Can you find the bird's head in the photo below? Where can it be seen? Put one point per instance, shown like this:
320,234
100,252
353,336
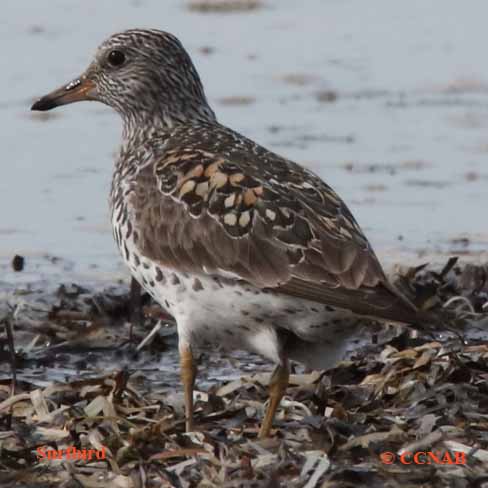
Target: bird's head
141,73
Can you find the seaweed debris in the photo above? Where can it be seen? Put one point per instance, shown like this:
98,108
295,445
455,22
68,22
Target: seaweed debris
223,6
359,424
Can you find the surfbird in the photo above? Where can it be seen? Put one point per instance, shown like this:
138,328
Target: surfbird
243,247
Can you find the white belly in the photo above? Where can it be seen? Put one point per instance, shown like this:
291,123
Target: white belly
222,313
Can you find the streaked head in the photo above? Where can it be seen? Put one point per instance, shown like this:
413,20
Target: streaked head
141,73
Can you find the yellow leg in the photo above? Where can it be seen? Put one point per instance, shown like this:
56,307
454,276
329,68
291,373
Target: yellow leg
277,388
188,374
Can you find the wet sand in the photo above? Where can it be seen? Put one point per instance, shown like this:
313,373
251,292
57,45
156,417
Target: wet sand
388,104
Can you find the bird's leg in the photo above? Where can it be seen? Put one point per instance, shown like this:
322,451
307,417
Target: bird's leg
277,387
135,304
188,374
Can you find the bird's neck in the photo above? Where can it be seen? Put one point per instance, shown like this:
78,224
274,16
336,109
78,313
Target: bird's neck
142,125
142,132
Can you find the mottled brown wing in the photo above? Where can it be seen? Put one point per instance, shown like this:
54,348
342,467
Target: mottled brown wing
271,223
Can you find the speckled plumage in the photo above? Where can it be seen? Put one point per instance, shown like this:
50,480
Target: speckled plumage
171,217
245,248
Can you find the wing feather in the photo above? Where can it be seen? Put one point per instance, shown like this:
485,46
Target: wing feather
265,219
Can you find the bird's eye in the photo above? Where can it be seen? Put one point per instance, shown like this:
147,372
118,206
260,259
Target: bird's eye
116,58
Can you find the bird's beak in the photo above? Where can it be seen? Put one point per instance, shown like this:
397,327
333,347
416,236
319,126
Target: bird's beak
80,89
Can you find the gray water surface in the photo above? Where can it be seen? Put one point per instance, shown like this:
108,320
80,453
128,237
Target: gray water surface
386,100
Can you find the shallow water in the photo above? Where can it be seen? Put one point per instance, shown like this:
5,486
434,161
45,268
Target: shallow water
388,101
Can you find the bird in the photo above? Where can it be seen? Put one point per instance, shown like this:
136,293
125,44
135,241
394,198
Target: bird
246,249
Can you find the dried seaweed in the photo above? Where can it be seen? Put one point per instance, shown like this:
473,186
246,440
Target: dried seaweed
414,394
